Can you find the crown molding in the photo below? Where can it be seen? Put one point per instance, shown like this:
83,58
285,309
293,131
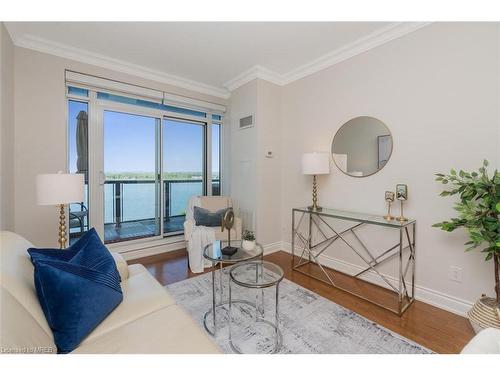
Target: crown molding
81,55
377,38
254,72
357,47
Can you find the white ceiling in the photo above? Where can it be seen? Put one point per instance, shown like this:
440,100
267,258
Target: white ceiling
214,54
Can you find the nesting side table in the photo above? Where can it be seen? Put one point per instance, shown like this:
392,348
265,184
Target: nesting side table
257,275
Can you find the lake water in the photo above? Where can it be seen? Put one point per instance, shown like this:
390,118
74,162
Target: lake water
139,200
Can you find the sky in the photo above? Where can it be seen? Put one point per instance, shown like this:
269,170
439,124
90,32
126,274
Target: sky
129,143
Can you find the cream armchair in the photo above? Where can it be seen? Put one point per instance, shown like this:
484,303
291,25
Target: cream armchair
197,237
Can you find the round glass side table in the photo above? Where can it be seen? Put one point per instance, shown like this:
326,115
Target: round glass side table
257,275
213,252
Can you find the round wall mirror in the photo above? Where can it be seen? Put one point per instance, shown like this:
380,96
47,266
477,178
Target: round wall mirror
362,146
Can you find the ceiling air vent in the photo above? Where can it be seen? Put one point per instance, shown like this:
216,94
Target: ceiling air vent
246,122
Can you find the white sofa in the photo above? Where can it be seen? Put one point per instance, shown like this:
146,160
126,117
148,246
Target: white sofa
485,342
147,321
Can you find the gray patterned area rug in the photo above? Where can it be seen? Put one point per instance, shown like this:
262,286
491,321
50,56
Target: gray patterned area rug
308,322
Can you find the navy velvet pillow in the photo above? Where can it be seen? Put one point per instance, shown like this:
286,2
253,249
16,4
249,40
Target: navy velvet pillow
77,288
206,218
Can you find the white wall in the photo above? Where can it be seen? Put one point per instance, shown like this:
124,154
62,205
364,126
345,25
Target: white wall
437,90
243,103
268,180
6,130
40,120
255,178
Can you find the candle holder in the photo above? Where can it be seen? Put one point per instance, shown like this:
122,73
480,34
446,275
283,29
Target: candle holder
401,218
401,195
389,198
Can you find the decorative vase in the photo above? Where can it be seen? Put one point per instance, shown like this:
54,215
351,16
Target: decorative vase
485,313
248,245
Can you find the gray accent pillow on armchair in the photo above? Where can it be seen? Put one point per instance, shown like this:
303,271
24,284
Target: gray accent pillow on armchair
207,218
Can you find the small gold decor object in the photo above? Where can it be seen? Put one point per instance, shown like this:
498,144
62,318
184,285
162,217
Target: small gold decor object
401,195
389,198
227,223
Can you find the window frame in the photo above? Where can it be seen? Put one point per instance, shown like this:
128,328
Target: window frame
96,108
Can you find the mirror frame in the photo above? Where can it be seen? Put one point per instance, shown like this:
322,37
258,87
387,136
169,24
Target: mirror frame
378,170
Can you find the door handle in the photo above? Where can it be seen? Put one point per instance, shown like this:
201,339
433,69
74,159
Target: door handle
102,178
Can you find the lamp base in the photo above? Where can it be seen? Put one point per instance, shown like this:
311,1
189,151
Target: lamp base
62,227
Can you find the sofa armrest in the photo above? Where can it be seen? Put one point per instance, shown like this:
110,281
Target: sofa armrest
188,229
121,265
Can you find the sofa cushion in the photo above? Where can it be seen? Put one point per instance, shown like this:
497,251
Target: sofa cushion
142,295
121,265
16,277
167,331
20,332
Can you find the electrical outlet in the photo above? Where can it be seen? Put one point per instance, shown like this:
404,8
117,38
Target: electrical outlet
456,274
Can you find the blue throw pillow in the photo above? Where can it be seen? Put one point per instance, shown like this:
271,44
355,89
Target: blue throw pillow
206,218
77,288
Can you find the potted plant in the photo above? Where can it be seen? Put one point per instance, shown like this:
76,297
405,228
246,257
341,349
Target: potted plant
478,213
248,242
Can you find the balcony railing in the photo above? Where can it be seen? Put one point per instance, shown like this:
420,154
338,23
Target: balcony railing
136,200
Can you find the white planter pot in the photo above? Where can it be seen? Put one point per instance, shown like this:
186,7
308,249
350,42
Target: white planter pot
248,245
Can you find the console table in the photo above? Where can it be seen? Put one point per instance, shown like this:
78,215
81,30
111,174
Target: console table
307,225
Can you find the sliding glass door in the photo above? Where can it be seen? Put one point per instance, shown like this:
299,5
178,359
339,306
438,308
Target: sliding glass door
131,171
142,162
184,168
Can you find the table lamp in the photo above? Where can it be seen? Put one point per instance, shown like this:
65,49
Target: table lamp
315,163
60,189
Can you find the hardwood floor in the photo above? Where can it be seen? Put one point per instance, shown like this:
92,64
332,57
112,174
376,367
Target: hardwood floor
436,329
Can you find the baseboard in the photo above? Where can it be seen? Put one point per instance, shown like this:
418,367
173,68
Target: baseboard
273,247
153,250
432,297
168,247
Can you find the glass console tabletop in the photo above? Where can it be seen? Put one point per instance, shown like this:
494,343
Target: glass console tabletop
356,216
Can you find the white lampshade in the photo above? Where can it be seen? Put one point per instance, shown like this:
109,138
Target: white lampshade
316,163
59,188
